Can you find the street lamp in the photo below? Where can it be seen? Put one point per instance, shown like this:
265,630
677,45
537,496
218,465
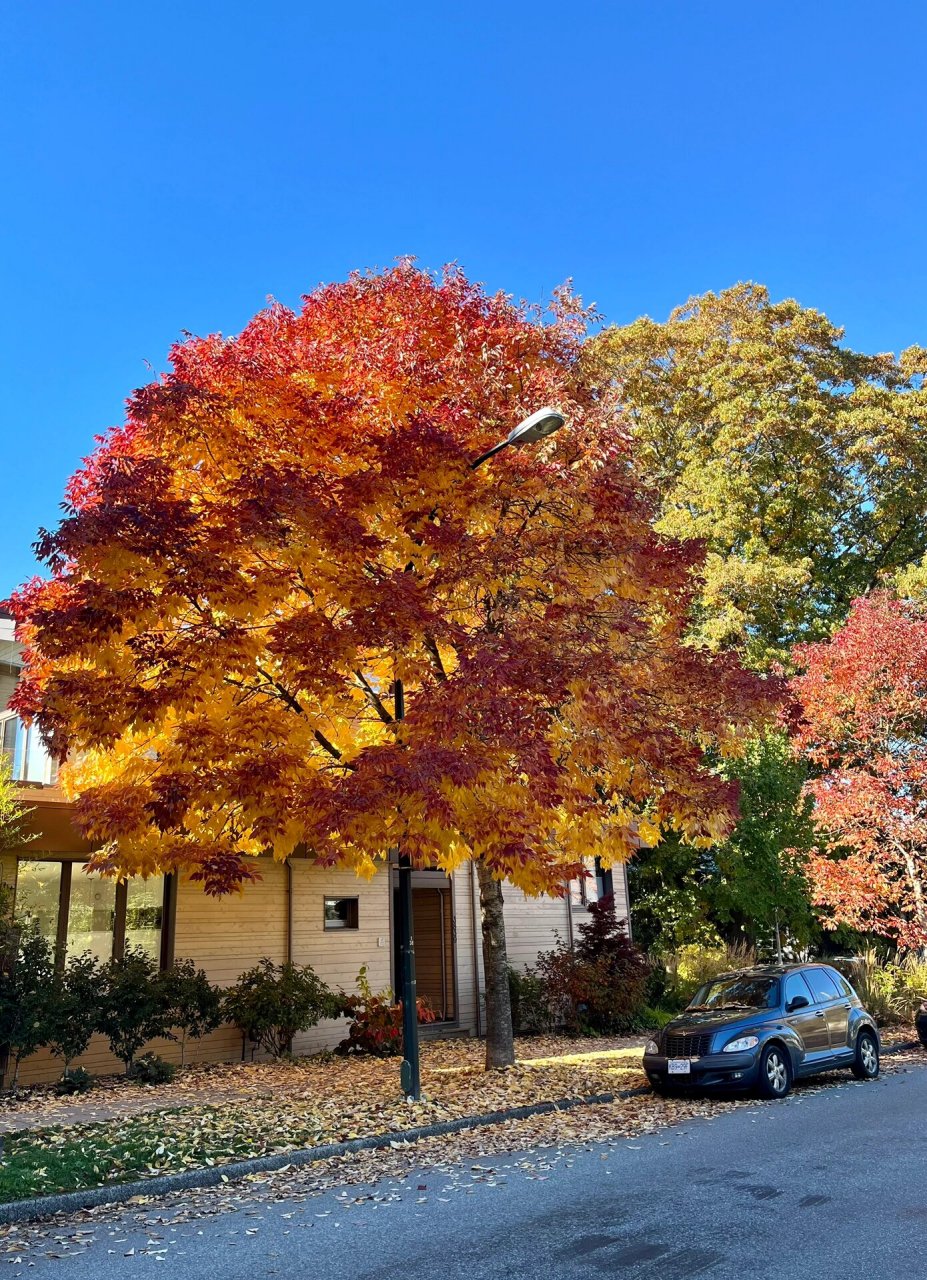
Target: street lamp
536,427
543,423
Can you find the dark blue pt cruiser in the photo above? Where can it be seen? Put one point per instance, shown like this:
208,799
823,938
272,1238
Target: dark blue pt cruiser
763,1028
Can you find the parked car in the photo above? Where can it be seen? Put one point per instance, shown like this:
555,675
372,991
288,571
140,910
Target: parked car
920,1023
762,1029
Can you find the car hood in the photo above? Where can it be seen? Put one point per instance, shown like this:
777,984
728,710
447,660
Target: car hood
703,1023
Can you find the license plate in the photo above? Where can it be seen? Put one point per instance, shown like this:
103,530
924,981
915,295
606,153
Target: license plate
679,1066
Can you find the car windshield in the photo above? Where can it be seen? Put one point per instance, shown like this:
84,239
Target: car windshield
737,993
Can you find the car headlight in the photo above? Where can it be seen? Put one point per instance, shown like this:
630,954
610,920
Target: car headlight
742,1044
652,1047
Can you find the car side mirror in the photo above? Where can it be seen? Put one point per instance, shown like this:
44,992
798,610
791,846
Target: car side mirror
797,1002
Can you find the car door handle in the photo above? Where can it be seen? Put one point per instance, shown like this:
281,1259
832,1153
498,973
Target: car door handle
820,1013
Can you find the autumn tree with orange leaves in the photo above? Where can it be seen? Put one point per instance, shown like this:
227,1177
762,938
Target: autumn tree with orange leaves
288,523
864,701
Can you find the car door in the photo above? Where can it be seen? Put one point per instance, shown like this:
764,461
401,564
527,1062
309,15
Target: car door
810,1022
836,1008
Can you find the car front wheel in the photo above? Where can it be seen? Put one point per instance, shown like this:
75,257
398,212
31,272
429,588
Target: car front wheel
775,1072
866,1062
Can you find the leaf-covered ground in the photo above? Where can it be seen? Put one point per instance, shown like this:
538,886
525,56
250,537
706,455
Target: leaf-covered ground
55,1144
454,1164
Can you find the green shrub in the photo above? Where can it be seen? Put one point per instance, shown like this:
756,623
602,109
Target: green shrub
75,1008
270,1003
27,984
891,989
530,1005
653,1019
600,986
132,1007
73,1080
376,1020
192,1005
689,968
150,1069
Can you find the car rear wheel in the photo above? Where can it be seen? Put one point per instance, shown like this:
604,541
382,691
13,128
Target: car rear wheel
866,1062
775,1072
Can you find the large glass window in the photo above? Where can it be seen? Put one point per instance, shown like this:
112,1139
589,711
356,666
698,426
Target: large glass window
89,913
38,894
144,915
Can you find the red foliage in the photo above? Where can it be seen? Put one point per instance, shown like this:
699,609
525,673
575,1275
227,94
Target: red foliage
376,1021
864,728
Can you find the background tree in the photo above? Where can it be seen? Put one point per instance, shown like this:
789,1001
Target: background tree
288,524
741,889
864,729
801,463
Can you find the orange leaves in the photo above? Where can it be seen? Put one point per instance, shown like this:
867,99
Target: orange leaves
864,702
289,524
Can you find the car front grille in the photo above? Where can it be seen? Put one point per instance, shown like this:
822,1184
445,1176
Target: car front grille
686,1046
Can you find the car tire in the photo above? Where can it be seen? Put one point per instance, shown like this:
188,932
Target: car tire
775,1077
866,1059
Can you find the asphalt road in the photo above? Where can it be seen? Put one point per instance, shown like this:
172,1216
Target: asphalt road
830,1183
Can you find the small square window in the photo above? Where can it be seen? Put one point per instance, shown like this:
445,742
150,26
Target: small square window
341,913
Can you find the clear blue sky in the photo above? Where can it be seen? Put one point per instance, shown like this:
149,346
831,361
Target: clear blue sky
169,165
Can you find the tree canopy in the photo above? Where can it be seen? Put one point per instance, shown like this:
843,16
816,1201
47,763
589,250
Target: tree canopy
288,524
864,731
801,463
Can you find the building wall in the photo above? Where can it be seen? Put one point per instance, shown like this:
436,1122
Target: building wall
226,936
533,925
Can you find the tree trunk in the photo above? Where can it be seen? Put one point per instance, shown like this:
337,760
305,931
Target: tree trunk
500,1040
917,888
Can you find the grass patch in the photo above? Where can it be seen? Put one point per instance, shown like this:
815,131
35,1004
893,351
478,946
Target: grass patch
45,1161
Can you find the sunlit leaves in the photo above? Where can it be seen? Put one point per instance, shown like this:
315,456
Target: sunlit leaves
289,523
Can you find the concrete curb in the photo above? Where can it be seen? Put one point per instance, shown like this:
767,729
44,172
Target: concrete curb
191,1179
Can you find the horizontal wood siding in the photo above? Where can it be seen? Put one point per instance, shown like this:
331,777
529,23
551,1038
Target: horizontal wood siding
336,955
532,925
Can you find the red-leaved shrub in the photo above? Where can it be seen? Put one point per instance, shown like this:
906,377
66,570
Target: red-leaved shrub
599,986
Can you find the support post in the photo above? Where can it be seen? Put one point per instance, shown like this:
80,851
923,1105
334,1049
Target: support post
410,1071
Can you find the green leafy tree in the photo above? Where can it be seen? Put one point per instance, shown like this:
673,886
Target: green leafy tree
271,1003
747,887
801,464
75,1007
132,1005
26,997
192,1005
758,885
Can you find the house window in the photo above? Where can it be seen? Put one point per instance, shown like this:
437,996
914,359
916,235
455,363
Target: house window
341,913
25,752
76,912
604,881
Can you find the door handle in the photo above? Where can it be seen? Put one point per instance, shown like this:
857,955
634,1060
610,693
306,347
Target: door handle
819,1014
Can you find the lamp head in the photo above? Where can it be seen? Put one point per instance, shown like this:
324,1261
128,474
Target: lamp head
542,423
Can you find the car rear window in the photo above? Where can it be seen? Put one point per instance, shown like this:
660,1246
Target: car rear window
823,986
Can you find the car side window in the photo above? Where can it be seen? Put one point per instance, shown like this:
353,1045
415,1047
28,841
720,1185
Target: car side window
844,987
795,985
823,986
